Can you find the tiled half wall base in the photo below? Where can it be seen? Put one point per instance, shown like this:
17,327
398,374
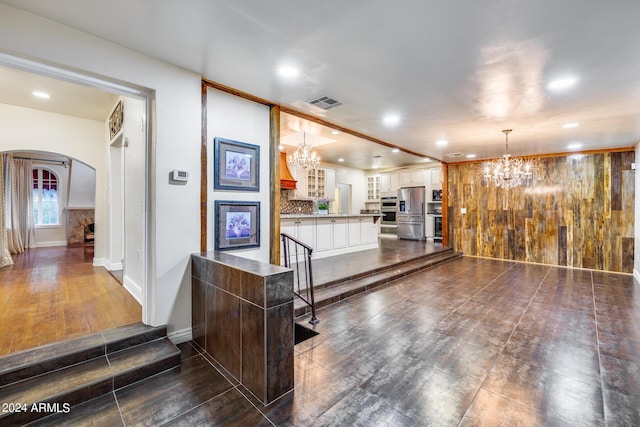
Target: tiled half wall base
242,316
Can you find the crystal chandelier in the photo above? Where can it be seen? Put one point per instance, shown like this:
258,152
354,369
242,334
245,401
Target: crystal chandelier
304,158
509,172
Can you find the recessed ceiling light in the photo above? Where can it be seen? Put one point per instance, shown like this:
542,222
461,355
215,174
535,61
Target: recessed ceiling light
391,119
574,145
441,142
288,71
471,156
374,166
341,159
280,147
571,125
426,159
395,150
335,132
42,95
562,83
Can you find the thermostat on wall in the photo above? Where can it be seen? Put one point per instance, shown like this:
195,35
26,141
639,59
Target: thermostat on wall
178,175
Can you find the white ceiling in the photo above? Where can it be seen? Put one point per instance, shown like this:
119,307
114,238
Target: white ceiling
459,71
16,88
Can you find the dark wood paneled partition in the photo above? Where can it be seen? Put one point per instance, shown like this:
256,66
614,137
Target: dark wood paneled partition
242,315
578,213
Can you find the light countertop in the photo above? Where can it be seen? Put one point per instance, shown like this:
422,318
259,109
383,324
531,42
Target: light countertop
302,215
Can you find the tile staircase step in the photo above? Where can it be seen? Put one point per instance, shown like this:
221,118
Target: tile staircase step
81,381
347,287
50,357
377,270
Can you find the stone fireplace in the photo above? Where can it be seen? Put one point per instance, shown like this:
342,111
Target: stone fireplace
80,226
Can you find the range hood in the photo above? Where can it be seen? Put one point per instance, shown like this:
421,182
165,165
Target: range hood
287,182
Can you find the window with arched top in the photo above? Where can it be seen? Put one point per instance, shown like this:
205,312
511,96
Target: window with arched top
45,197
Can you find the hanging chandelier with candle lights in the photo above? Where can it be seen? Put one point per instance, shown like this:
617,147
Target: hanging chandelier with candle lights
509,171
304,158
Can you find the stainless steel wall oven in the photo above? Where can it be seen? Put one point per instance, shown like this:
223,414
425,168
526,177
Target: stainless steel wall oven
389,210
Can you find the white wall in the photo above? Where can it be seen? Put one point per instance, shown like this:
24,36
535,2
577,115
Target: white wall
82,186
175,228
231,117
358,180
74,137
134,192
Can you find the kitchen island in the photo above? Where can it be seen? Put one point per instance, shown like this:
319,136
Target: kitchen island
333,234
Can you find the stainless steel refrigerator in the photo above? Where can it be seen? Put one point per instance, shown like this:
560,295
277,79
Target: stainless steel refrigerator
410,217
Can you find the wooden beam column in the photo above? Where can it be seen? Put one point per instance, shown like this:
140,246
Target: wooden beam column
445,207
274,184
203,170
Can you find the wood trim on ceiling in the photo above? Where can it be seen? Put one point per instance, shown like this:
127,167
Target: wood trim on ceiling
539,156
311,118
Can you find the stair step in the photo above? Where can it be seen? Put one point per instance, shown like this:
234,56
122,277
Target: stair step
142,361
345,288
50,357
88,379
384,268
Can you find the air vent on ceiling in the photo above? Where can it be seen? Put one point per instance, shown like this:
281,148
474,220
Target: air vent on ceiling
325,102
454,155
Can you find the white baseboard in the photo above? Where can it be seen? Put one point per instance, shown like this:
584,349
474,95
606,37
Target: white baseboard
133,288
178,337
51,244
100,262
636,275
115,267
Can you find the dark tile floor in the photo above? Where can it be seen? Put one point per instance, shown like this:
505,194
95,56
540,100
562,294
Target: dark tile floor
473,342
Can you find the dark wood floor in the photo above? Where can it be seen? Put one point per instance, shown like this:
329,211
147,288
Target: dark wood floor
473,342
53,294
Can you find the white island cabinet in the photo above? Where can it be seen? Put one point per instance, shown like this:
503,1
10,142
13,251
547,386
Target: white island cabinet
333,234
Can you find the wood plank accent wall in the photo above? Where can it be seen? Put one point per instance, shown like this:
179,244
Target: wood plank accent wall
578,213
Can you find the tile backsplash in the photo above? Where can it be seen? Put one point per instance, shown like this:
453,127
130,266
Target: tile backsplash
294,206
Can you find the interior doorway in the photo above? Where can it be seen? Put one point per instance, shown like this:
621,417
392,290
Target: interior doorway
343,198
115,248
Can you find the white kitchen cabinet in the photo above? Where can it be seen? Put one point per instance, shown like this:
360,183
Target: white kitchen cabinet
340,233
411,178
300,193
332,233
385,182
368,231
314,184
373,187
354,231
429,226
330,183
324,236
362,231
436,179
302,229
389,182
